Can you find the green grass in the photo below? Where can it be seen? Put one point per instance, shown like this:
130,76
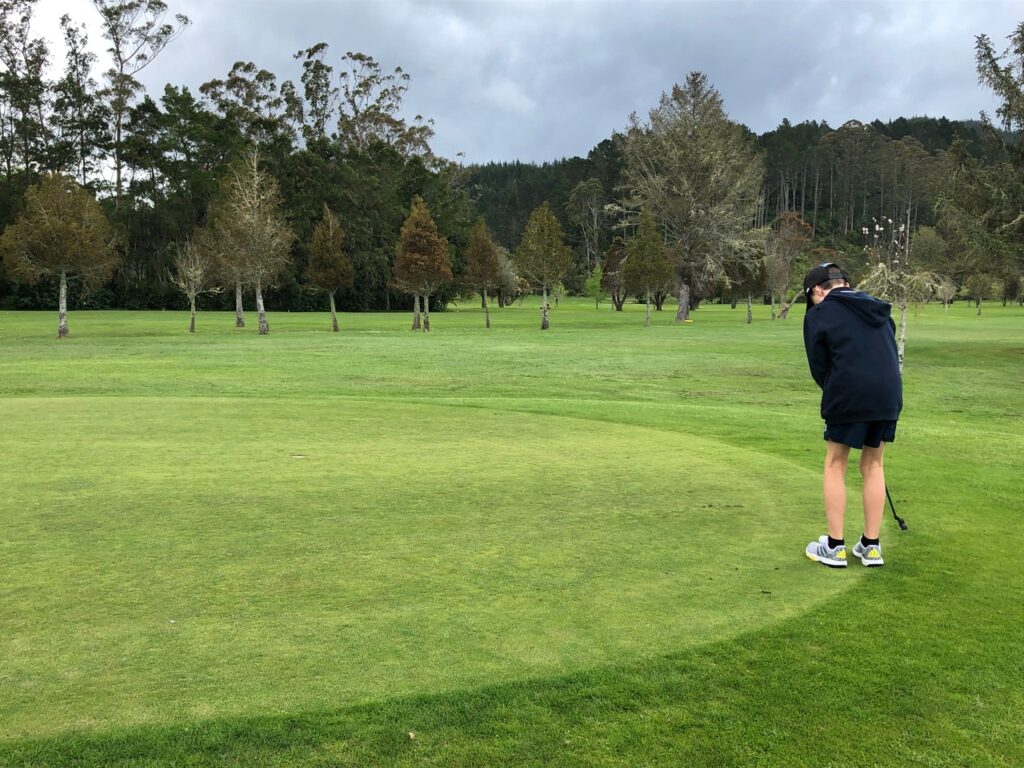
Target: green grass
577,547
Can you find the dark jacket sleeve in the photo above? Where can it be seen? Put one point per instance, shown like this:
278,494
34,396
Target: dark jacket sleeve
817,350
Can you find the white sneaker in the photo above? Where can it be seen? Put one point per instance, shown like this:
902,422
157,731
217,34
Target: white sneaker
820,552
870,555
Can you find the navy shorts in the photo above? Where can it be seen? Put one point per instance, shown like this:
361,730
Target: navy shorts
861,433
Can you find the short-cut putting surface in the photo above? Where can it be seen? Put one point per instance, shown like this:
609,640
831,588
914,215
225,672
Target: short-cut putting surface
235,557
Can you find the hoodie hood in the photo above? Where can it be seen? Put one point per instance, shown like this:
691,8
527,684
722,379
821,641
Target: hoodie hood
872,311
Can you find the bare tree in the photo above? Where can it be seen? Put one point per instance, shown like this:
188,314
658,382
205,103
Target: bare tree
193,273
891,277
249,231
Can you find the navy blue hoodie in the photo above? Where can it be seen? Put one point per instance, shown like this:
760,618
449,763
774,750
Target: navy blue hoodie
851,349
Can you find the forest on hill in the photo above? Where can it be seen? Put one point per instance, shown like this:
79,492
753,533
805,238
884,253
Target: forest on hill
943,195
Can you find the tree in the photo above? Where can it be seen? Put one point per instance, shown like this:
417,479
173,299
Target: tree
542,256
249,99
329,268
422,263
647,268
369,109
890,275
137,33
586,210
1004,74
320,95
483,268
612,277
508,280
194,272
26,135
79,117
946,293
61,233
593,286
700,175
979,287
787,239
249,233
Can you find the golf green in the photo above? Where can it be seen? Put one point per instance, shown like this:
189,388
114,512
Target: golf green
184,558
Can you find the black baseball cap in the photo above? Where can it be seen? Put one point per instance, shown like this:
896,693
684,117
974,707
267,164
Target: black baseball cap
822,273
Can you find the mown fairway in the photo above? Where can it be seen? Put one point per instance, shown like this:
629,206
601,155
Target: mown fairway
504,547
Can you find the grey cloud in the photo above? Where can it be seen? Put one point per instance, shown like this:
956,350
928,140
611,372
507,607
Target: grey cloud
540,80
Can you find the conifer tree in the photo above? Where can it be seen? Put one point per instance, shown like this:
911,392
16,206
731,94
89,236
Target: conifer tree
648,269
701,176
542,256
422,263
329,268
483,267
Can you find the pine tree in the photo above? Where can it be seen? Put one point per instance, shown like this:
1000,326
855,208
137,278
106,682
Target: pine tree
422,263
482,264
647,269
542,256
329,268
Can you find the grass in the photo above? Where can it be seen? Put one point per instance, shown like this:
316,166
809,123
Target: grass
504,547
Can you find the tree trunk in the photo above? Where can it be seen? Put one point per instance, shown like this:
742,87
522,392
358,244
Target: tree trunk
683,312
415,312
239,311
773,304
785,306
192,318
647,318
334,314
733,300
750,310
261,312
619,299
426,312
483,299
659,299
117,159
544,310
487,310
901,345
62,307
814,216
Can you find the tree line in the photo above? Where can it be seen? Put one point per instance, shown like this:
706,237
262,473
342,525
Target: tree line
354,208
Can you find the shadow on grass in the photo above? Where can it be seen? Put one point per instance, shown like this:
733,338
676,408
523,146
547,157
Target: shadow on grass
777,696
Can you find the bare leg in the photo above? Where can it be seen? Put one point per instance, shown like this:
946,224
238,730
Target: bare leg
835,487
874,489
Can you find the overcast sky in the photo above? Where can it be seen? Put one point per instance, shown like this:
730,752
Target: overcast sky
538,81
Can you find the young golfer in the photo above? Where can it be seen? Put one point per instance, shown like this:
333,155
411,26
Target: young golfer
851,349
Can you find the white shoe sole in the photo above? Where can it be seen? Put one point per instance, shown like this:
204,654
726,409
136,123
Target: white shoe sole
826,561
868,563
